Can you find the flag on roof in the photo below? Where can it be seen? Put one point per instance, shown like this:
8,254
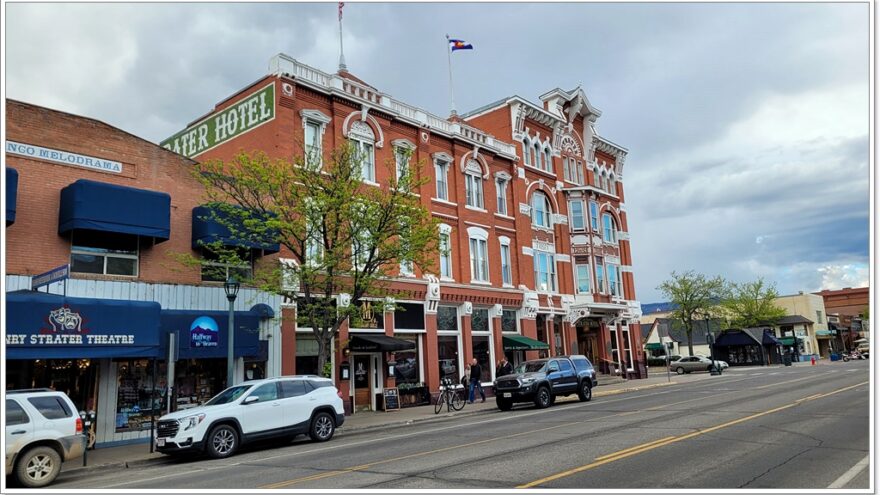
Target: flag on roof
459,44
341,4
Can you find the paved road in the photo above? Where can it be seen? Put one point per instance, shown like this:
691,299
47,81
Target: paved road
798,427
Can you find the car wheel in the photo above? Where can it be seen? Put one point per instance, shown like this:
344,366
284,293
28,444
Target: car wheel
322,427
38,467
504,405
222,441
679,370
586,391
552,399
542,397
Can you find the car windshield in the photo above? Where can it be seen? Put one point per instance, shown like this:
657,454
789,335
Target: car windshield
531,366
228,395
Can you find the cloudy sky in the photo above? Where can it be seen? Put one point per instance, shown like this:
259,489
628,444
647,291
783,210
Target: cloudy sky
747,124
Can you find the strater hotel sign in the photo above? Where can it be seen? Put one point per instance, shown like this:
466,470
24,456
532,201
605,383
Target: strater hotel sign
246,115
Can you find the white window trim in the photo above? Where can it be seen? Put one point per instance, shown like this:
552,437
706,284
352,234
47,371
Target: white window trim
444,164
553,274
106,256
478,234
501,193
446,230
477,177
505,241
590,283
548,212
584,216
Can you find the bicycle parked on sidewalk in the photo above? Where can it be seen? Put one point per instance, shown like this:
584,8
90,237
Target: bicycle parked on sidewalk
453,398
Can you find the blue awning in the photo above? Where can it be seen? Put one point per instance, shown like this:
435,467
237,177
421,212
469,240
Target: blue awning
11,194
91,205
211,224
49,326
203,334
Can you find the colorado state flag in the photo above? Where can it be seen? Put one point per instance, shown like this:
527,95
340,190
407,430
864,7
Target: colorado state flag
459,45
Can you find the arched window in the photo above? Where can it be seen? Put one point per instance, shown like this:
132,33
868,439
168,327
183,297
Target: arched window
548,160
526,154
612,185
597,178
541,210
364,141
609,229
537,156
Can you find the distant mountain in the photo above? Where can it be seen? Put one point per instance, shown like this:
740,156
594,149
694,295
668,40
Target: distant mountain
200,330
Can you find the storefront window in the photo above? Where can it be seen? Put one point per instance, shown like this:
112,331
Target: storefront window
197,380
138,398
306,354
408,363
78,378
447,318
481,353
509,321
447,351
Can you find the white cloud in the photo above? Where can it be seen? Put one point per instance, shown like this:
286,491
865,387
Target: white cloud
841,276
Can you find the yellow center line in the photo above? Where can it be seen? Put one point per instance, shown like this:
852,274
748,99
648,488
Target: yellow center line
623,454
328,474
634,448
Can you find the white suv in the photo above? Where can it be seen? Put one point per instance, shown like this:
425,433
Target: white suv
43,430
254,410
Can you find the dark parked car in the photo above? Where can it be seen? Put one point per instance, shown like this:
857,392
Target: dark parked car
542,380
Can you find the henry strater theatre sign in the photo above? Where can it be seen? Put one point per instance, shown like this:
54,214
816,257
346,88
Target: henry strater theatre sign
66,327
246,115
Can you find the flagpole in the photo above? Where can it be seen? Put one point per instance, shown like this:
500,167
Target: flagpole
342,66
451,86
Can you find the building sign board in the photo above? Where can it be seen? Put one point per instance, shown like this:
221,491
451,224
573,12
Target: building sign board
54,275
244,116
63,157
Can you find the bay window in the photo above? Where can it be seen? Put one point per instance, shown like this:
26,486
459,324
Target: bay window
576,211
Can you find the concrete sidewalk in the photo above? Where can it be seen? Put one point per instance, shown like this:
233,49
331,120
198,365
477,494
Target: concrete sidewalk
128,456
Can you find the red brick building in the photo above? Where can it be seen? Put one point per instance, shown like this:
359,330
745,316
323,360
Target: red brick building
117,210
849,306
519,271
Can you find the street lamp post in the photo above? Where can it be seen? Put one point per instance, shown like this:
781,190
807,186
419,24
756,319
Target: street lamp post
231,287
711,342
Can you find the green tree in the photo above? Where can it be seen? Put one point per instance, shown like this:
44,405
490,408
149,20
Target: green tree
695,297
750,304
346,237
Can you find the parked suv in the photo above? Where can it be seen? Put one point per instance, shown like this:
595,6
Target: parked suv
254,410
542,380
43,429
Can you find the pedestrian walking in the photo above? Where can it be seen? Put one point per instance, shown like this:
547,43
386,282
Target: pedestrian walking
476,383
504,367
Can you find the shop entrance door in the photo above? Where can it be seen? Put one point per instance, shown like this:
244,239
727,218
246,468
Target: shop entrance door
363,391
588,344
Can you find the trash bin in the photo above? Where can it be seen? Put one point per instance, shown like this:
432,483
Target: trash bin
786,359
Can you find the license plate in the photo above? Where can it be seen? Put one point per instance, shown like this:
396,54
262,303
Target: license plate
160,442
507,394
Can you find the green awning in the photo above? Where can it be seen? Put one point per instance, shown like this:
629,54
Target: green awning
786,340
654,346
522,343
823,333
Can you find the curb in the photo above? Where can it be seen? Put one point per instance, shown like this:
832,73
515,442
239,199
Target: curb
82,470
